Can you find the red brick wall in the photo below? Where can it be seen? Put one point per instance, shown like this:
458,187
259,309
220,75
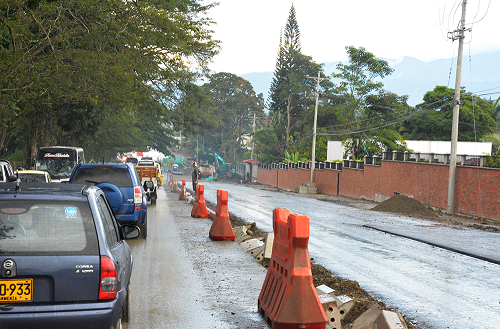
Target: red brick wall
425,182
477,190
326,181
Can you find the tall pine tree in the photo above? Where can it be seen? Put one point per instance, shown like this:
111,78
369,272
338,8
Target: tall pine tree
290,95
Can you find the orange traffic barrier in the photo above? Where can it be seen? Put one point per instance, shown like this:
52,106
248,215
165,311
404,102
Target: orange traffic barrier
200,208
182,195
288,298
221,229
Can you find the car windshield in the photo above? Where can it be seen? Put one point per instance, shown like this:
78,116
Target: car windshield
99,174
58,165
31,177
29,227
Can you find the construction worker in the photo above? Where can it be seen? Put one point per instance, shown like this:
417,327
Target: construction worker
194,176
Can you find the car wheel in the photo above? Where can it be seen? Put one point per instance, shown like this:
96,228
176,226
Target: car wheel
126,308
118,325
144,228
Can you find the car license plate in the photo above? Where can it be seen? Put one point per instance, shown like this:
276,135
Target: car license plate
15,291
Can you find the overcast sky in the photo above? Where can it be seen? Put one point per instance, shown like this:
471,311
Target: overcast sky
250,30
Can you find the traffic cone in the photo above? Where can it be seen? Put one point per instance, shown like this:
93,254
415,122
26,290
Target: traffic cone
288,298
182,195
221,229
200,208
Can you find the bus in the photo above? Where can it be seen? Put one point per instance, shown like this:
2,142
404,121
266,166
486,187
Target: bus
59,161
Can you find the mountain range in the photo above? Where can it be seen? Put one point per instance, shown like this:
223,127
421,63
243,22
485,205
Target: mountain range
412,77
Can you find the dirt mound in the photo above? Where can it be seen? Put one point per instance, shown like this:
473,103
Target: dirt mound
401,204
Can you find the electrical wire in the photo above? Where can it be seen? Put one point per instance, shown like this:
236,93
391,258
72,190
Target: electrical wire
376,127
487,9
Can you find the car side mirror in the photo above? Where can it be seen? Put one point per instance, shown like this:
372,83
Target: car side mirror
130,232
12,178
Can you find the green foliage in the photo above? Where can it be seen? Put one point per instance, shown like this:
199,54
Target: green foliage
493,161
92,60
475,117
494,139
293,157
220,112
365,109
290,99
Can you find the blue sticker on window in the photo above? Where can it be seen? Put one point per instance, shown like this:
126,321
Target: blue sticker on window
70,212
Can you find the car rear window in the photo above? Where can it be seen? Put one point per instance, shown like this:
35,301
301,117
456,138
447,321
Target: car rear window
117,176
47,228
31,177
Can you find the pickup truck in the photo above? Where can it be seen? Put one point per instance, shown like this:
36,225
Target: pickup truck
206,170
6,172
149,180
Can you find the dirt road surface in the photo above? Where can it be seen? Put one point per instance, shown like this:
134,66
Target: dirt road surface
182,279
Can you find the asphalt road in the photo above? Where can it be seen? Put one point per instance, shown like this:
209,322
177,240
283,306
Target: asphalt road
182,279
436,287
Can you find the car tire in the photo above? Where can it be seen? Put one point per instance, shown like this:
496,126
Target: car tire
144,228
118,325
126,308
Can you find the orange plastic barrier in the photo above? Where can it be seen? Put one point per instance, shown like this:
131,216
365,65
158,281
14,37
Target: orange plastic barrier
182,195
288,298
221,229
200,208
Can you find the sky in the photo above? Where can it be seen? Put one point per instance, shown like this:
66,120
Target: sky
249,31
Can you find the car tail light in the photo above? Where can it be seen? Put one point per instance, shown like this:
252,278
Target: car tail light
109,280
137,195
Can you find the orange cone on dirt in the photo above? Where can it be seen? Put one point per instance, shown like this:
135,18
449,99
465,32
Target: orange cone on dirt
182,195
288,298
221,229
200,208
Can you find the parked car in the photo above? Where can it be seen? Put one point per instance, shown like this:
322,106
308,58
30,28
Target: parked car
122,186
6,172
33,176
63,259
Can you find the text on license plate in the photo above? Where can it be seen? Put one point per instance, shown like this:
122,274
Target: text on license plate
15,291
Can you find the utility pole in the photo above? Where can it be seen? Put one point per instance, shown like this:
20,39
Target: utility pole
457,34
180,139
313,161
253,135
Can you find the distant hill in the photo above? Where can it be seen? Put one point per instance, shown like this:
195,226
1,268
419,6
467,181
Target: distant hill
414,78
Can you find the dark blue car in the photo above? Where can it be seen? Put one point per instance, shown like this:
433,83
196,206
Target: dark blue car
122,186
63,259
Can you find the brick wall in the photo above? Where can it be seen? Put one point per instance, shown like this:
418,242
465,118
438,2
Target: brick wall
477,190
283,178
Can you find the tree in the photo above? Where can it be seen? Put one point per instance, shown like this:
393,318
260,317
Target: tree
235,105
475,117
59,58
290,94
364,103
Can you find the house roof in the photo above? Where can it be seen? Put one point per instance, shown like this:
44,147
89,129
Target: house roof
251,161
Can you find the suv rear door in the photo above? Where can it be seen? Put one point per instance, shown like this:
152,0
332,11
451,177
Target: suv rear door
54,250
118,176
